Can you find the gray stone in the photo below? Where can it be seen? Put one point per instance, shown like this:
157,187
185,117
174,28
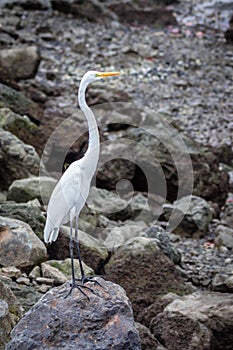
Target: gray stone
19,246
49,271
36,272
222,283
27,212
43,288
18,160
22,62
119,235
23,280
24,190
144,271
193,214
207,318
18,102
224,237
45,281
56,322
11,271
19,125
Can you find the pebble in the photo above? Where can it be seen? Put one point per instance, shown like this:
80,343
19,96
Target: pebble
44,280
23,280
44,288
201,262
35,272
11,271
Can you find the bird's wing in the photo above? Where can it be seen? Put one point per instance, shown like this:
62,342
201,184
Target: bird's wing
65,197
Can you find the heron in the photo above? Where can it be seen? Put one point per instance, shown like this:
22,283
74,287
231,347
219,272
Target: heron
70,193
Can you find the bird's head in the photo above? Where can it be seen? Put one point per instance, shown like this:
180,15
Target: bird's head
93,75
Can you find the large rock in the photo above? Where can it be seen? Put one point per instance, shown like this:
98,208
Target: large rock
10,313
200,321
144,271
27,212
22,62
24,190
18,160
194,217
55,322
19,246
18,103
19,125
93,252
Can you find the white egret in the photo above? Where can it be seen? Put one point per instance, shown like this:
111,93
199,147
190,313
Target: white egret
70,193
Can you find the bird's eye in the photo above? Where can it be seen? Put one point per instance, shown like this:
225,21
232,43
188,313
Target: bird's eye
66,166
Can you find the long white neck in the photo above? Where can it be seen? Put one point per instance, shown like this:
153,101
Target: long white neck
92,152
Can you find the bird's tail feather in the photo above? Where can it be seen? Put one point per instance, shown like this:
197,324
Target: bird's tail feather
50,235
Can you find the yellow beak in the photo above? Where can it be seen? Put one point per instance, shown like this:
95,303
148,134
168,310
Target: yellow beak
107,74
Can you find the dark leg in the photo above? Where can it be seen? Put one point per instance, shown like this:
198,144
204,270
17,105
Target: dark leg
78,250
73,283
83,278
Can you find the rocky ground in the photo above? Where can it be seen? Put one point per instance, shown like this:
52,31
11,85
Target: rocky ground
166,129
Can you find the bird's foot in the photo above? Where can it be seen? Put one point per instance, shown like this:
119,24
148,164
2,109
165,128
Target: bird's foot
80,287
84,279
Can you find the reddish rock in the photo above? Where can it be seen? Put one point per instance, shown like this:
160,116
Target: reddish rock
103,322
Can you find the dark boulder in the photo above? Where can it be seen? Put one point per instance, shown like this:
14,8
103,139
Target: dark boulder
200,321
105,321
145,272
